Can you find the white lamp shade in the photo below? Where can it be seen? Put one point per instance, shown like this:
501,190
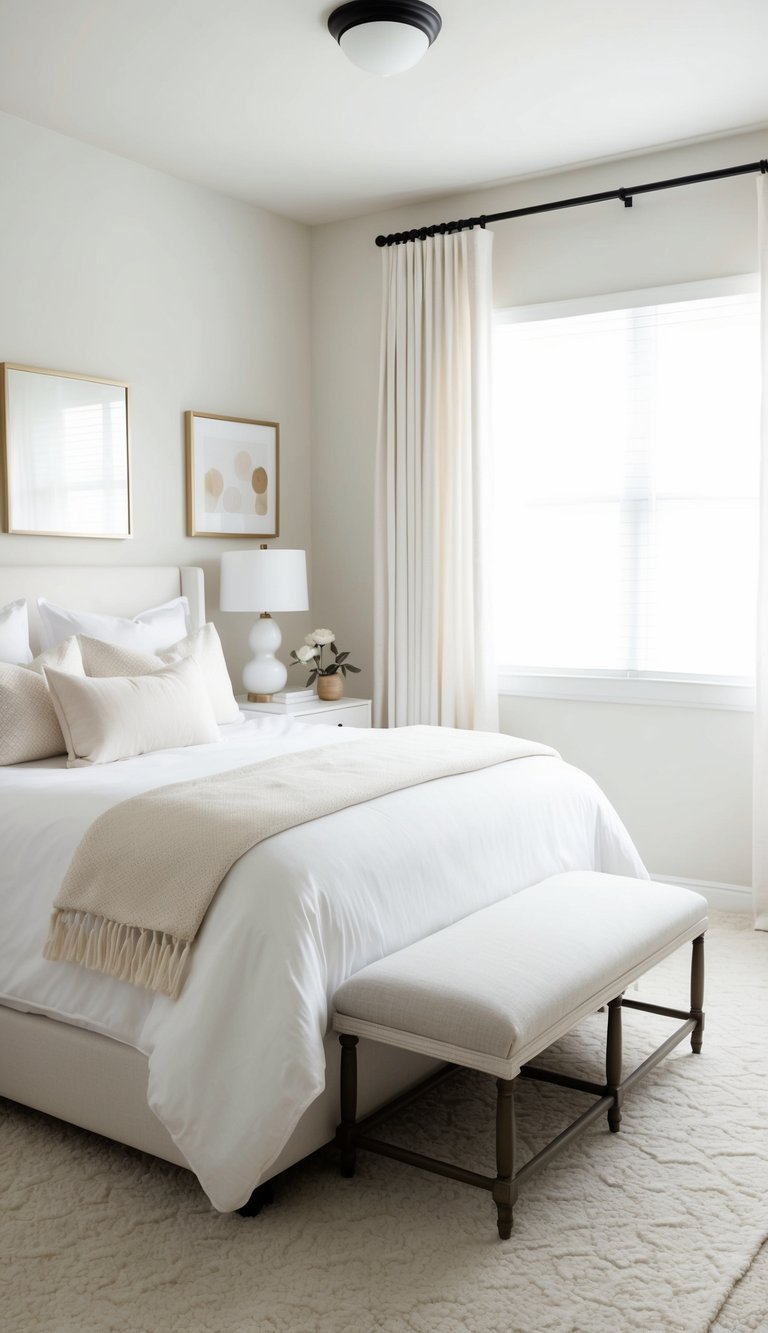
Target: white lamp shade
272,580
384,48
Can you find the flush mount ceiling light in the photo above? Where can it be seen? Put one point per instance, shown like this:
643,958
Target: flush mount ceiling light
385,38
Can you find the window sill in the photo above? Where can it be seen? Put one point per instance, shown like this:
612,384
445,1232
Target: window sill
656,691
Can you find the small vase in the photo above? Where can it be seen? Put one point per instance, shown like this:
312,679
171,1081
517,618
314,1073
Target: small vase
330,687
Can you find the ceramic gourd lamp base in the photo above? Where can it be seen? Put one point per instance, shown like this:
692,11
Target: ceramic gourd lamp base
330,687
263,676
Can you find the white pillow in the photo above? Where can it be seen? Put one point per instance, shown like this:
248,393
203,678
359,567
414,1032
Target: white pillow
29,728
118,717
103,659
148,632
14,633
205,647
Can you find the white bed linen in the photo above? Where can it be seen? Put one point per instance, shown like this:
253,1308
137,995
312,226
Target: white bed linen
235,1061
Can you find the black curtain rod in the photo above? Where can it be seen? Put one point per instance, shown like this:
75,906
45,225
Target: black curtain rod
625,195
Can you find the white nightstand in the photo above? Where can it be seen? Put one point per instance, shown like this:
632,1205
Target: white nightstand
338,713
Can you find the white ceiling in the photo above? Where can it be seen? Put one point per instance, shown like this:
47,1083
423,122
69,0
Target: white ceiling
254,98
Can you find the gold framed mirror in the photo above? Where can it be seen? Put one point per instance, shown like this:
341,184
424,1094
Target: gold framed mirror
65,454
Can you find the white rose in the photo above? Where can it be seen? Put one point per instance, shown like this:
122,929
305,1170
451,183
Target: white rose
310,640
305,653
323,636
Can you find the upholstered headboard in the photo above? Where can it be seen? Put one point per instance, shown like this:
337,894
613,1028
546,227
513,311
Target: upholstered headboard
122,590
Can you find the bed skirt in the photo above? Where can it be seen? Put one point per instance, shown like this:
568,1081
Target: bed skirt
101,1085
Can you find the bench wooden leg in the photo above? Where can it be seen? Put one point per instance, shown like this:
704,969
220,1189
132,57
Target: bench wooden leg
345,1134
697,993
504,1190
613,1062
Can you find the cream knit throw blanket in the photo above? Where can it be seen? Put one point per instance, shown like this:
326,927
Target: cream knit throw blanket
146,872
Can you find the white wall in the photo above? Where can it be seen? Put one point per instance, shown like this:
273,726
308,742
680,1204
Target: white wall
198,301
202,302
680,778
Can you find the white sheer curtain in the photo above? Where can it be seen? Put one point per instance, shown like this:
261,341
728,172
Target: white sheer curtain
434,657
760,804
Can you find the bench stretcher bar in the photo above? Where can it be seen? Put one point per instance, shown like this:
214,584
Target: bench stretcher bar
352,1134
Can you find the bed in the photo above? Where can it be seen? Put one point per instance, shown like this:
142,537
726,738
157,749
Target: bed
236,1080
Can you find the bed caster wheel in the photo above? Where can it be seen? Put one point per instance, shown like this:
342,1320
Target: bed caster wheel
263,1194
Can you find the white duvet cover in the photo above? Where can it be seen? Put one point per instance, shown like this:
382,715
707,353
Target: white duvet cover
235,1061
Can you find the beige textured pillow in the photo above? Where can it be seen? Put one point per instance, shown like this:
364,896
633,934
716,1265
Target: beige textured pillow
104,659
29,728
118,717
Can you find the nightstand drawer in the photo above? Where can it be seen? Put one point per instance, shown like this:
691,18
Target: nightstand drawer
339,713
351,715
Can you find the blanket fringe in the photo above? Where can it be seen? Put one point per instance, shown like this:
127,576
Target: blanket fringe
149,958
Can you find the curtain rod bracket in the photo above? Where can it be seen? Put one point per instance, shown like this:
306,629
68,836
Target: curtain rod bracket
625,198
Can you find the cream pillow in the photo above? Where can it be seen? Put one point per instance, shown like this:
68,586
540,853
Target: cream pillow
148,632
118,717
103,659
14,633
29,728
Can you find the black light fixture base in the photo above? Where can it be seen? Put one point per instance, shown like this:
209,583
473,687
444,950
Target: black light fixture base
415,13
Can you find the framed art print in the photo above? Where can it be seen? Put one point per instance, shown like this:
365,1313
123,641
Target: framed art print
65,458
233,476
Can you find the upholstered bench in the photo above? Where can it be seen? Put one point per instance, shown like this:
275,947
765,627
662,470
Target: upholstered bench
495,989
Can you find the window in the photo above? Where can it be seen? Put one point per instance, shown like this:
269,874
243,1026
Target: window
626,484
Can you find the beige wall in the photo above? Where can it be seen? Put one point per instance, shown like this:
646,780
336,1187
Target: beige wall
680,778
198,301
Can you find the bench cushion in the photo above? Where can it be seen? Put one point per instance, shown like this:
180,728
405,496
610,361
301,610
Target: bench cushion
494,989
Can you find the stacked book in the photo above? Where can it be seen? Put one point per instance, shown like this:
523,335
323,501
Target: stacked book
286,700
293,697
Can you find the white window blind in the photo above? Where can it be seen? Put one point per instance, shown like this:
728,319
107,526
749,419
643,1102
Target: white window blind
626,485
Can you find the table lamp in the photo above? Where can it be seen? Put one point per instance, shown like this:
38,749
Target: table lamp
256,581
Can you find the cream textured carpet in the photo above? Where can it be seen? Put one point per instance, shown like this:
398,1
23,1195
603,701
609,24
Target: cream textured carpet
746,1310
653,1229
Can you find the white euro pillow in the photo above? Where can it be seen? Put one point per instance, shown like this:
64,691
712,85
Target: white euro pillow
204,646
29,727
118,717
148,632
14,633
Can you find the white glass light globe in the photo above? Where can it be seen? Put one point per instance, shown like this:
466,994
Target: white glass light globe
384,48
